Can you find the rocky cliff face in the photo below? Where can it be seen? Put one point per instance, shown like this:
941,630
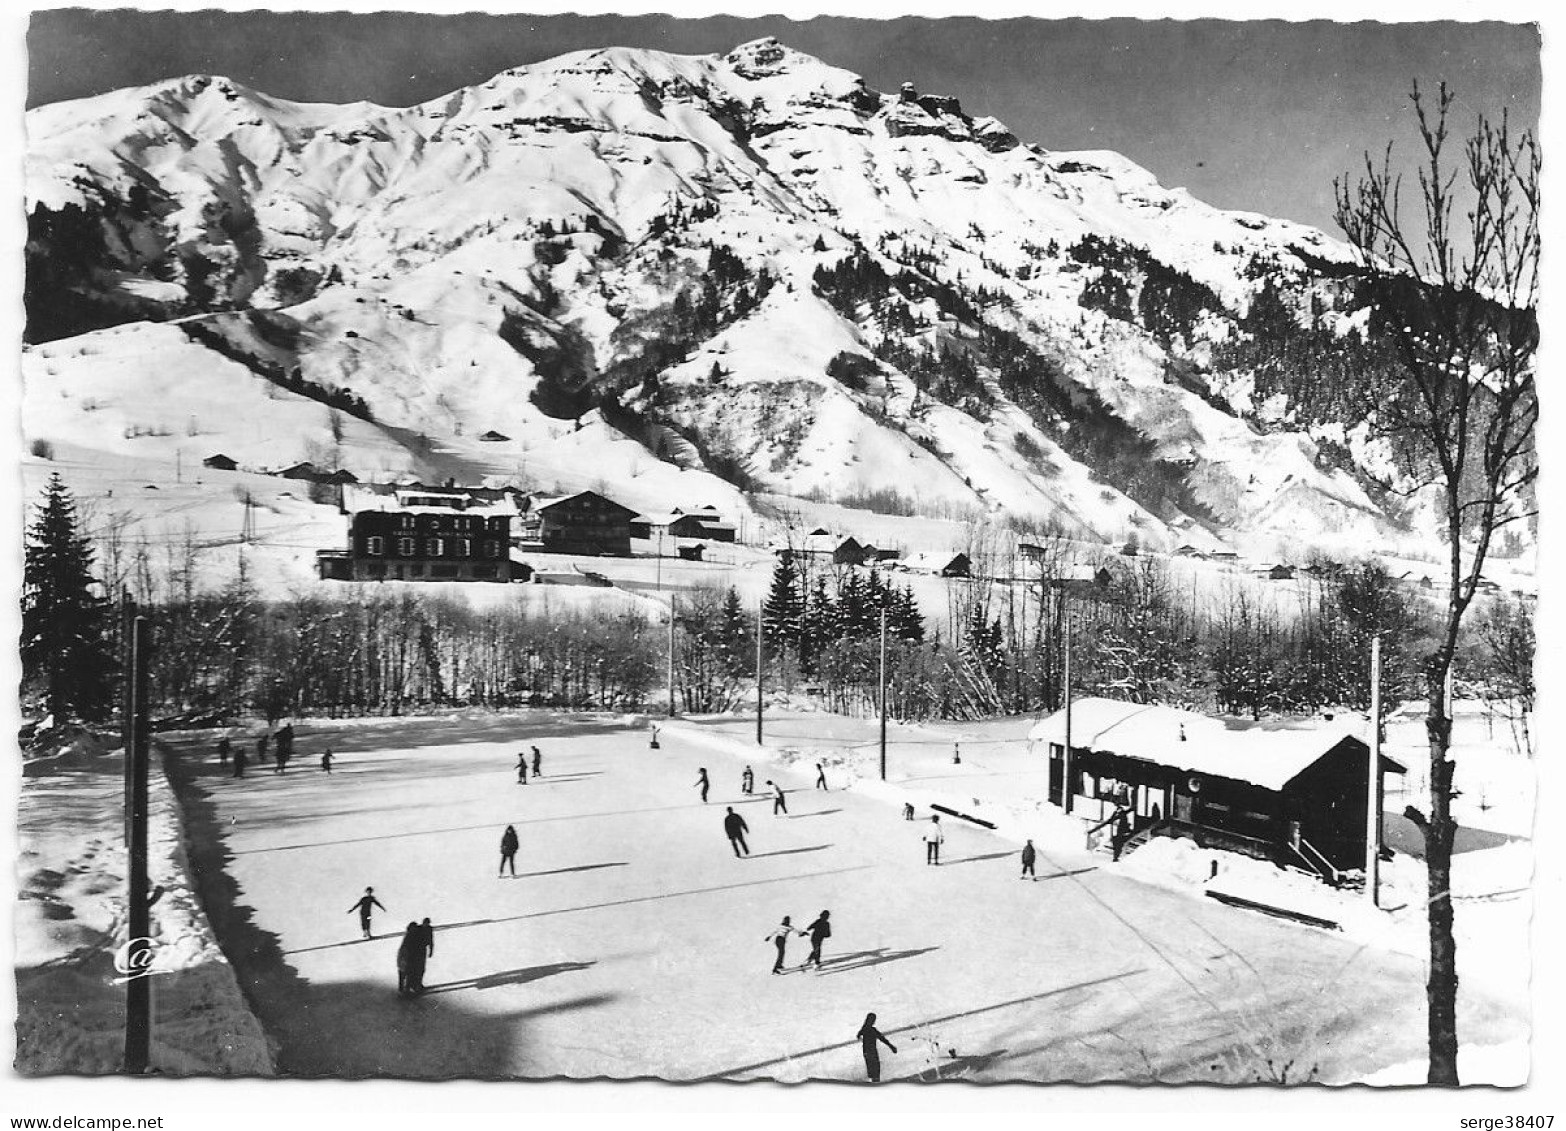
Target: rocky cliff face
749,264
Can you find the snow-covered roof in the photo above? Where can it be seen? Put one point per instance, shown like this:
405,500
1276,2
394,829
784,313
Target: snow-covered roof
932,560
652,518
1269,753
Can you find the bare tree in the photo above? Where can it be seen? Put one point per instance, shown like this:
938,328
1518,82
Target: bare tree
1454,286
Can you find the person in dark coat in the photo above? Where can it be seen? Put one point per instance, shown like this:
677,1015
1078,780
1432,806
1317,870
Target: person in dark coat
820,776
522,768
701,782
285,747
819,932
1121,834
362,905
405,949
224,748
508,850
1028,856
869,1035
779,938
748,781
326,761
735,826
239,763
778,804
423,951
908,811
538,763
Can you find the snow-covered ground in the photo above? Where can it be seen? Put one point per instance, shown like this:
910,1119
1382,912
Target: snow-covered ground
70,924
632,942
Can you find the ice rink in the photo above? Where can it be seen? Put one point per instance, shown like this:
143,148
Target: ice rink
632,941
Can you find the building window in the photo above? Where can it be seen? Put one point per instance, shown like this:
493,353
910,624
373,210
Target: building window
405,522
405,547
375,545
435,547
465,548
491,548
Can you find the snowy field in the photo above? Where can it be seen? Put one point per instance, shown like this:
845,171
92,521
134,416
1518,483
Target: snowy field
632,942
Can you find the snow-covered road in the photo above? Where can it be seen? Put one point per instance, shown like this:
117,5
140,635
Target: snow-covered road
632,941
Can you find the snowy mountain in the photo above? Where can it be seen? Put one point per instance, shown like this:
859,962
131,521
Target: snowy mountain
667,274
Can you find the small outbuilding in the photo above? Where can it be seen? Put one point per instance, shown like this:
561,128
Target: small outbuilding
220,462
1290,791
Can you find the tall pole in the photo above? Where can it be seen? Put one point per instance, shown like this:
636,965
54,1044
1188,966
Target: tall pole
883,694
1373,788
138,990
1065,760
671,655
759,614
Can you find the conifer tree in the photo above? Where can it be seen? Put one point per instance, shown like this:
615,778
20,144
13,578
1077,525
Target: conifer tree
783,613
65,649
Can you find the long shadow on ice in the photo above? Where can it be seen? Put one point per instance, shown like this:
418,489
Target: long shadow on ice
508,977
864,958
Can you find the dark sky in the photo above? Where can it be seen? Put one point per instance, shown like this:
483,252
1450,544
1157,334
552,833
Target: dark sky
1258,115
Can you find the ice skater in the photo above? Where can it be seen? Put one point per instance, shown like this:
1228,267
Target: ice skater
508,851
779,939
869,1035
933,839
820,776
956,753
819,932
410,943
701,783
653,744
362,905
748,781
522,768
908,811
423,951
538,763
285,748
734,825
778,804
1028,856
326,761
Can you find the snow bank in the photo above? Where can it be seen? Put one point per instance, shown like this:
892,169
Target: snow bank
70,925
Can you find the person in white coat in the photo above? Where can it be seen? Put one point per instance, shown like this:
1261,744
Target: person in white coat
934,837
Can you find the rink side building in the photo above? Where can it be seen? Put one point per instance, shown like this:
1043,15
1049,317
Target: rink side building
1292,792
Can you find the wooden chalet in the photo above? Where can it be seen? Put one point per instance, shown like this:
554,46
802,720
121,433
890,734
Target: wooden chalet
1274,572
303,470
1290,792
583,523
691,552
220,462
821,544
942,564
1089,581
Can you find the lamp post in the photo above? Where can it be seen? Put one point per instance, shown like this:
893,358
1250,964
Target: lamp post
883,694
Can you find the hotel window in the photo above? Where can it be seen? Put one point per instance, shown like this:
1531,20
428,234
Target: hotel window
405,547
436,547
465,548
375,545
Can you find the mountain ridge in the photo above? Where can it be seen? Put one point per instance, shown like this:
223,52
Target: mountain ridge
818,288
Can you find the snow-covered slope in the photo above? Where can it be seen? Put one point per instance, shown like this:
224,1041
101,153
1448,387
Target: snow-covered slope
746,268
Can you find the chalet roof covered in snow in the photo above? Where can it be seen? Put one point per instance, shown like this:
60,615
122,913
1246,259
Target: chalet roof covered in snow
1269,753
